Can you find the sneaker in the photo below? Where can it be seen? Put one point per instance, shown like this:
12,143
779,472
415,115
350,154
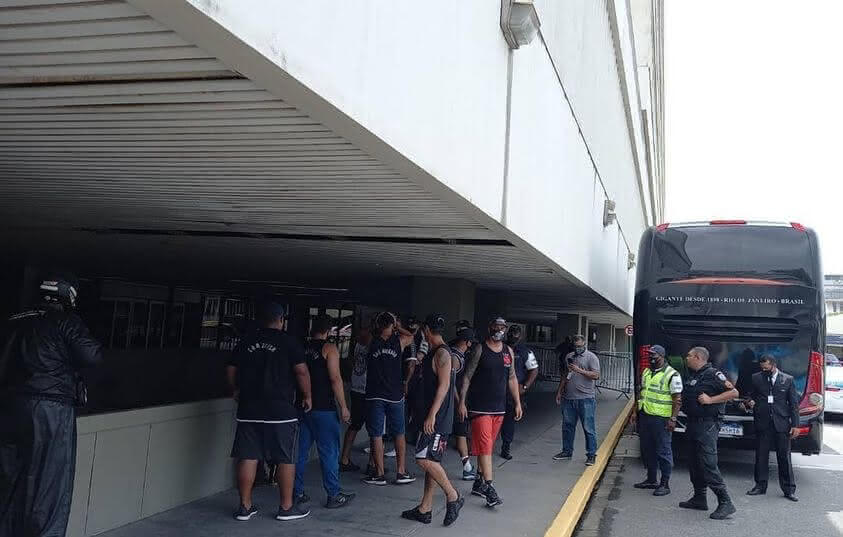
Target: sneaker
590,460
563,456
340,500
403,479
295,512
390,453
244,514
377,480
452,510
370,470
479,487
348,466
506,455
469,475
415,515
301,498
646,484
492,498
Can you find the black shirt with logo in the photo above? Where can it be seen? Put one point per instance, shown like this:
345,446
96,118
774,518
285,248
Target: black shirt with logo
384,370
707,380
489,385
265,360
322,393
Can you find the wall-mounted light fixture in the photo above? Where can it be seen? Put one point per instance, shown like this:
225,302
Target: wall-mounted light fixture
609,215
519,22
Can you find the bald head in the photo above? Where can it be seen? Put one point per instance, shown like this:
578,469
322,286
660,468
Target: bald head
697,358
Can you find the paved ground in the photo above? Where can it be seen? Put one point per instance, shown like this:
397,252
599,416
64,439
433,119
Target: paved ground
630,512
532,485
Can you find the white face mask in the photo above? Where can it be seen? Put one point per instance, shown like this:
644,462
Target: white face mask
499,335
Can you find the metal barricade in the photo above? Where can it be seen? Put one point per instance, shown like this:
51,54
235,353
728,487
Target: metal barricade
616,372
548,364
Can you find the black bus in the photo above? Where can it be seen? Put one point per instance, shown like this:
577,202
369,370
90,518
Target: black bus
740,289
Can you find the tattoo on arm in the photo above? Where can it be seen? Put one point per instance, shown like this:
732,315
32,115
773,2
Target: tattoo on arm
471,363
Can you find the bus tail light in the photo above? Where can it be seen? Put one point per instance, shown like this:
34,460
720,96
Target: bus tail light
643,358
803,431
661,228
812,400
798,227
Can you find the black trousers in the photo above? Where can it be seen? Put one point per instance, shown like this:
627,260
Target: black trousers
767,438
702,456
508,426
37,465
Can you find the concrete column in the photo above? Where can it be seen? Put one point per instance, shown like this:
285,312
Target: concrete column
567,324
453,298
621,341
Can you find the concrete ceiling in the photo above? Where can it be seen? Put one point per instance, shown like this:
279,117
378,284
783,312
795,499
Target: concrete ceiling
125,147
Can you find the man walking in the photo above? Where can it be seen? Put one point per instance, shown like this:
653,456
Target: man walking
43,351
775,404
459,347
526,371
704,401
658,406
488,376
263,373
576,396
438,378
385,395
321,424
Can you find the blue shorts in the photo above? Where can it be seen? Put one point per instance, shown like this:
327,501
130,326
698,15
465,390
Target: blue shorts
384,417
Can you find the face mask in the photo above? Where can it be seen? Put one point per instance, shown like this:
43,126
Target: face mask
579,350
654,363
499,335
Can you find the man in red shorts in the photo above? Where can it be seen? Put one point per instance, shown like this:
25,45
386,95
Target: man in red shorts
489,373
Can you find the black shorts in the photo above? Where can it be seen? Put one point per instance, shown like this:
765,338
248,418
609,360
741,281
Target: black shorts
275,443
431,446
359,410
460,427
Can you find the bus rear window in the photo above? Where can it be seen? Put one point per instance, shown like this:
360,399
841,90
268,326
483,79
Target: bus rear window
767,252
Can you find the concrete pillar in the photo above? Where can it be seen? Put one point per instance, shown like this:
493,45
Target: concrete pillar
488,303
567,324
453,298
621,340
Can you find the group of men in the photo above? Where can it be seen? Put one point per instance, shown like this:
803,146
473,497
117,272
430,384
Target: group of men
773,400
406,382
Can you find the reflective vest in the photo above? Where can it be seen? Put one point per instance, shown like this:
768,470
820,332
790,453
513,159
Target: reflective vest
655,397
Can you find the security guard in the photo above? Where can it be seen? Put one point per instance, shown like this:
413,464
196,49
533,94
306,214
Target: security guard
704,401
658,404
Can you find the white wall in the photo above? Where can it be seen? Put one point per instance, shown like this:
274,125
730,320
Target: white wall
429,78
134,464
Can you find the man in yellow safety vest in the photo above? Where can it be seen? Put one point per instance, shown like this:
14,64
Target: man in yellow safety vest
658,405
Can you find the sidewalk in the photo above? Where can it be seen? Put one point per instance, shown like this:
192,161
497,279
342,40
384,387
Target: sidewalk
532,485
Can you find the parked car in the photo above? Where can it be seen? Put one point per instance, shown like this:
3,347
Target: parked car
834,390
832,360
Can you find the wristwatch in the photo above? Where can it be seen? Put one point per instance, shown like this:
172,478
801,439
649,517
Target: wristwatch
672,419
524,387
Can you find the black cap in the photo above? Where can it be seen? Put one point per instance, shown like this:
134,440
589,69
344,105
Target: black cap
435,322
466,334
497,319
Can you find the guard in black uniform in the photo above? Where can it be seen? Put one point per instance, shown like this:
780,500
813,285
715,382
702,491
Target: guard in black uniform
42,352
704,401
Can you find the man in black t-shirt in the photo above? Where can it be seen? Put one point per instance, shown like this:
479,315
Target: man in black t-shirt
263,372
438,397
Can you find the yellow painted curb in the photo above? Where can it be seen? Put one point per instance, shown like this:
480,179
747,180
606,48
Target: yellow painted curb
566,521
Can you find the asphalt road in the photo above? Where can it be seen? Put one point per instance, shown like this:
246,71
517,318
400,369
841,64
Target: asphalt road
633,513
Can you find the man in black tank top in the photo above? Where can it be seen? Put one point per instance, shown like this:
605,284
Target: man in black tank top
489,374
438,395
321,424
385,395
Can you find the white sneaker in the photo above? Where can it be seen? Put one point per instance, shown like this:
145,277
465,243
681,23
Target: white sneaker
390,453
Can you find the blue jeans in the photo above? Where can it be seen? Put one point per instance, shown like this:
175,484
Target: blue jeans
582,410
656,445
322,427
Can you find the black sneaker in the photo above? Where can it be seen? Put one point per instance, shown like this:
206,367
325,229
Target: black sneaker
506,453
590,460
646,484
377,480
479,487
295,512
417,516
301,498
348,467
244,514
452,510
563,456
340,500
403,479
492,498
